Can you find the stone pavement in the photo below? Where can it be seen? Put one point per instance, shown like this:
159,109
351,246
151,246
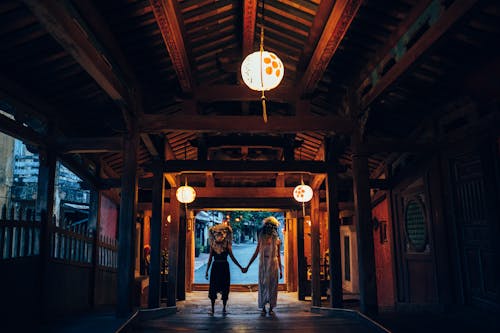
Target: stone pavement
244,316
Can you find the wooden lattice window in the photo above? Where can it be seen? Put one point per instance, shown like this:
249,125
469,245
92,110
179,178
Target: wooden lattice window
415,226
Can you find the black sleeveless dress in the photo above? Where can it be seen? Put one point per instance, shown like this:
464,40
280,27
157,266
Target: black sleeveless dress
220,277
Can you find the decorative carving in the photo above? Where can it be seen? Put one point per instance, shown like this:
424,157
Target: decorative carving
174,45
332,44
249,16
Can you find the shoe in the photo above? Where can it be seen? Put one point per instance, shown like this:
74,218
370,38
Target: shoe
271,312
263,312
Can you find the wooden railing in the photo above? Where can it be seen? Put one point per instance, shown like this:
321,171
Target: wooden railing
72,244
19,234
108,252
20,237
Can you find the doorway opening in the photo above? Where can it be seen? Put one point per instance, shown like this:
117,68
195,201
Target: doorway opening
245,225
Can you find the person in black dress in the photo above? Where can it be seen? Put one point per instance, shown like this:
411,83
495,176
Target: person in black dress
220,238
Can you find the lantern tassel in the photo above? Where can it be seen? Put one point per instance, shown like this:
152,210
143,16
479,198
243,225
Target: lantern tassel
264,111
303,209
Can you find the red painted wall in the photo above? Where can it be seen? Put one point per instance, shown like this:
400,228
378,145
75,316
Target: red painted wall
383,258
108,217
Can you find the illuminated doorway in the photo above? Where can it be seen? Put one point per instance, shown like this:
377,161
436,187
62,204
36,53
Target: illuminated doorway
245,225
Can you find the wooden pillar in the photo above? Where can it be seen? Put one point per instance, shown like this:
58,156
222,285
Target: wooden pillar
190,244
155,234
126,227
301,269
366,257
173,249
181,264
291,251
334,247
335,263
315,251
45,209
94,223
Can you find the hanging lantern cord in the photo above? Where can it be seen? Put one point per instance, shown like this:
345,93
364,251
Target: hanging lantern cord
303,203
185,203
262,97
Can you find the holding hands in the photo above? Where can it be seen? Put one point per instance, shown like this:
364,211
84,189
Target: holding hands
244,269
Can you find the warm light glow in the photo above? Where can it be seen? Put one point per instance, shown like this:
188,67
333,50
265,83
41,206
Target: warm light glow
185,194
262,70
303,193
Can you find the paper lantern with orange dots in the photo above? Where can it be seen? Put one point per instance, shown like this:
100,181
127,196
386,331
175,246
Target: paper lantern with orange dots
262,70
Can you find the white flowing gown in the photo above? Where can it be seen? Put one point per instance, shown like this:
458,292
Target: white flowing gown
268,270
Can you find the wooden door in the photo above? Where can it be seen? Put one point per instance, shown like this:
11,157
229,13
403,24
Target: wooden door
416,264
476,228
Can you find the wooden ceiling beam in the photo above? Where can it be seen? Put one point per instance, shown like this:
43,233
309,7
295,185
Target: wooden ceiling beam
249,18
438,26
317,181
340,19
171,179
27,135
89,145
168,18
244,192
247,124
65,27
246,166
213,93
150,146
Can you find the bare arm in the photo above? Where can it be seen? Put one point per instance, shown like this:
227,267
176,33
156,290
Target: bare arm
230,250
254,254
209,262
279,261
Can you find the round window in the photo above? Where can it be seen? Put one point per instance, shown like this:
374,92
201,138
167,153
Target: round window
416,231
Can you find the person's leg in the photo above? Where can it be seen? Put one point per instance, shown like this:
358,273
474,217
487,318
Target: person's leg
271,312
224,302
263,311
213,305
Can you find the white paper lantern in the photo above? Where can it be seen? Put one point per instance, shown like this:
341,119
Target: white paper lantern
303,193
262,70
185,194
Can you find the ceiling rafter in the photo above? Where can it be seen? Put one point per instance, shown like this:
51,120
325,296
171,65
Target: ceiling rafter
66,29
444,22
320,19
340,19
168,17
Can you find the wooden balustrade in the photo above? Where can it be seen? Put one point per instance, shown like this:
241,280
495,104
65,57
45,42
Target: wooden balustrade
20,237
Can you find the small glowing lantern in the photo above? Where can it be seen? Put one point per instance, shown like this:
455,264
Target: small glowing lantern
262,70
185,194
303,193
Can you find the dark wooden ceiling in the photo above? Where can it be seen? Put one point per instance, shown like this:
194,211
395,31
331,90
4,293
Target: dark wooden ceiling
81,74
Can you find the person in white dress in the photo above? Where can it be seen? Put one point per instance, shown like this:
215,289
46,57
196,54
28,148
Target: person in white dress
268,249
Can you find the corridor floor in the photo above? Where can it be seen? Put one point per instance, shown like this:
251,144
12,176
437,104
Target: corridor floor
244,316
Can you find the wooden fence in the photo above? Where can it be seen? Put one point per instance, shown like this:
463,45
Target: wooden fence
20,237
19,234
